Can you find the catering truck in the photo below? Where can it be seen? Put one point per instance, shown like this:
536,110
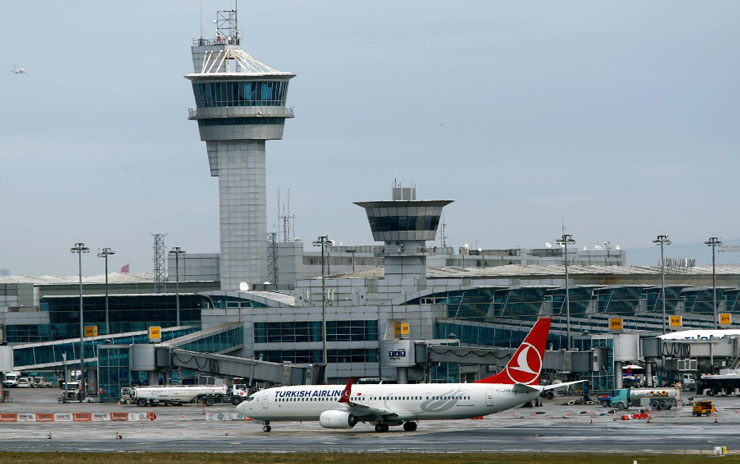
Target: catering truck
657,398
177,394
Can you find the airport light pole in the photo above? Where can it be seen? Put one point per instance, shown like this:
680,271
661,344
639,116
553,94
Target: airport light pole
177,252
324,242
662,240
104,254
564,241
80,248
714,242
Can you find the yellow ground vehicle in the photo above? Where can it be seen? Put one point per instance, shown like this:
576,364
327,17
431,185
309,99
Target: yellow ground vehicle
703,408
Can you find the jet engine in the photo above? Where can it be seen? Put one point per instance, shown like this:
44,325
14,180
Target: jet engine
337,420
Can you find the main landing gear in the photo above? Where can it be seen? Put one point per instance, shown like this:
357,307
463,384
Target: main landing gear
381,428
409,426
267,427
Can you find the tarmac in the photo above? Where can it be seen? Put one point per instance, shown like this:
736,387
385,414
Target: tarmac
556,427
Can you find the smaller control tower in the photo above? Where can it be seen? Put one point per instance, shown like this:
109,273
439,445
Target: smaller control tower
240,103
405,224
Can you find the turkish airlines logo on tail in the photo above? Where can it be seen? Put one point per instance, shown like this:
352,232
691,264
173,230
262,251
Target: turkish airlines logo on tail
525,367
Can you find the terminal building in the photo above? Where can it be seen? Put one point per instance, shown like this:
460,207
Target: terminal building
402,309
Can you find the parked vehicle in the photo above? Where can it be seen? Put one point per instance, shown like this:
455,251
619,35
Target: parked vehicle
239,393
660,398
40,382
24,382
178,394
11,379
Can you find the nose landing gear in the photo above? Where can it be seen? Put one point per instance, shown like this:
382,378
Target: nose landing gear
267,427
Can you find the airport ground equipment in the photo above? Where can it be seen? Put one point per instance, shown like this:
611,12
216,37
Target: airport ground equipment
659,398
178,394
703,408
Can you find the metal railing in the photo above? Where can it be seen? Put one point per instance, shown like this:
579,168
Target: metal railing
241,112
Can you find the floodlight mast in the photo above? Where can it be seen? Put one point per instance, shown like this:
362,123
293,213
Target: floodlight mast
564,241
714,242
662,240
80,248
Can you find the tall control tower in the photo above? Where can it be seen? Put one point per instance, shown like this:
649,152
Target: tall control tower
240,103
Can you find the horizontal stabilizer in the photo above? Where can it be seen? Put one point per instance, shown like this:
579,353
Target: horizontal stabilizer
521,388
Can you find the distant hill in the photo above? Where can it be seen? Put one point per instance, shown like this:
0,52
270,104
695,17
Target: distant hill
697,250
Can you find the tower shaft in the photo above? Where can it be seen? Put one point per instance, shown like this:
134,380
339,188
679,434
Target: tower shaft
242,210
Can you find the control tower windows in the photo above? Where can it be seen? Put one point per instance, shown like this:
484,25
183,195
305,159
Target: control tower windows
251,93
393,223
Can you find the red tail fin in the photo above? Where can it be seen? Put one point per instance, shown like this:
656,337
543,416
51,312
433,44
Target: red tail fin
526,364
347,393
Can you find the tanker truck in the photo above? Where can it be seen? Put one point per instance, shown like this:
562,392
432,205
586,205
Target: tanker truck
177,394
659,397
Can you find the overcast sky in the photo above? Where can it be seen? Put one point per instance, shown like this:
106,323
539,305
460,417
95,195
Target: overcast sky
619,119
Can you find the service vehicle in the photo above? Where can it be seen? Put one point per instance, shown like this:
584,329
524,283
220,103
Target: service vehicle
178,394
660,397
11,379
239,393
703,408
71,391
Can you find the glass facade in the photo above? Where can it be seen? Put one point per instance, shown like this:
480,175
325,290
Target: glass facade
489,335
578,300
217,342
444,373
655,301
310,331
315,356
25,333
49,353
617,300
700,300
224,301
127,313
472,305
240,93
113,371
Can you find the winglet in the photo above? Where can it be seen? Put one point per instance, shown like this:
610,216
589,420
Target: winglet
347,392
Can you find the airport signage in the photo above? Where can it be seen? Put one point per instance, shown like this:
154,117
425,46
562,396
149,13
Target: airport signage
725,318
676,321
397,354
155,334
91,330
615,323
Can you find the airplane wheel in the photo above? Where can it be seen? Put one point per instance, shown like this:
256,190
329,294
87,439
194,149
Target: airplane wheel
381,428
409,426
266,428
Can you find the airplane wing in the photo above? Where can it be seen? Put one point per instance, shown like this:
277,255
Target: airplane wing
522,388
362,411
559,385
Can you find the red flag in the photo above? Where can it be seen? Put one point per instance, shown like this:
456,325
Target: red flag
124,269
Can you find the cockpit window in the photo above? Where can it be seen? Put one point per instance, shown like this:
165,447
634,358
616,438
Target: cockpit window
250,398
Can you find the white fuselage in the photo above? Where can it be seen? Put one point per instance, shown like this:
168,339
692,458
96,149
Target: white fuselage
409,402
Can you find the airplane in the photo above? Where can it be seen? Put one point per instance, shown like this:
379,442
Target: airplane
18,70
384,405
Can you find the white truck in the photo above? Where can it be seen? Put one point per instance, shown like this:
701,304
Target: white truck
177,394
11,379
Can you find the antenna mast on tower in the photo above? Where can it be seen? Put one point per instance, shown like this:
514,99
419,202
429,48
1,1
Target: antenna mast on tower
160,283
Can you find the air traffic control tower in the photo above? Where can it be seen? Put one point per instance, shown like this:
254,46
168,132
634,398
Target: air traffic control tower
240,103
